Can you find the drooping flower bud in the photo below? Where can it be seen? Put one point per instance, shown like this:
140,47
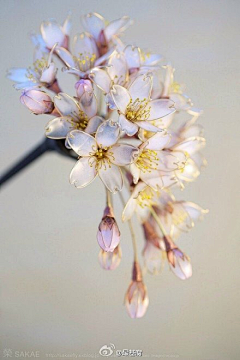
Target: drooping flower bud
178,261
108,235
37,101
83,86
136,298
110,260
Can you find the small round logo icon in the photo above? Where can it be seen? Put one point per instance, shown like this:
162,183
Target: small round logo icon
107,350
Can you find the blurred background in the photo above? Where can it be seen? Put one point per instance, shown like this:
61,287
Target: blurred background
55,298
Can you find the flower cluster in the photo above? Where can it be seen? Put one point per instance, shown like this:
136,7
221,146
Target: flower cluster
129,122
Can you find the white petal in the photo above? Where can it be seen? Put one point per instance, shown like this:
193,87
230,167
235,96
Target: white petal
192,131
181,101
83,144
191,145
101,79
84,44
104,57
67,25
116,26
169,161
194,210
66,105
160,108
58,128
158,141
88,104
49,74
93,124
122,154
127,126
18,75
146,125
65,56
129,209
83,173
117,68
111,176
94,24
121,97
107,133
132,55
52,33
135,171
141,87
152,59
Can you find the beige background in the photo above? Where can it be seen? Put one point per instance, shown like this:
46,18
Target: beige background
55,298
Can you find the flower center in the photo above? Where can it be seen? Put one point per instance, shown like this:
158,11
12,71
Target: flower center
145,197
137,110
85,61
147,160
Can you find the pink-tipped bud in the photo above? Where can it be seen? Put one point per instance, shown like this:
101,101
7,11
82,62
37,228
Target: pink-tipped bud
136,298
108,235
83,86
110,260
37,101
178,261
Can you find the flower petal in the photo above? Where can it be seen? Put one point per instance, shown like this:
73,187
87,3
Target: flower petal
65,56
94,24
132,55
135,171
122,154
84,44
93,124
191,145
141,87
83,144
101,78
18,75
116,26
129,209
147,126
160,108
49,74
107,133
111,176
127,126
117,68
59,127
121,97
83,173
88,104
66,105
158,141
52,33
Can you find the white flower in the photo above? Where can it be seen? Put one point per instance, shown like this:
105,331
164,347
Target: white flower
85,55
74,114
115,73
100,156
137,59
136,108
105,33
141,199
173,91
43,72
53,33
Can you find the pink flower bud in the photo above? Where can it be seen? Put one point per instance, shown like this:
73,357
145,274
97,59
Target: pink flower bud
37,101
83,86
178,261
136,298
108,235
110,260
